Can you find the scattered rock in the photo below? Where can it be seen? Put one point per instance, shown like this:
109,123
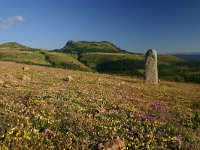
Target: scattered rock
123,82
26,78
101,100
101,110
6,75
151,68
25,68
1,82
116,144
68,78
6,85
101,146
48,131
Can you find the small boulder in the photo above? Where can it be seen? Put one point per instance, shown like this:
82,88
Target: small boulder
101,110
116,144
25,68
68,78
48,132
1,82
6,75
26,78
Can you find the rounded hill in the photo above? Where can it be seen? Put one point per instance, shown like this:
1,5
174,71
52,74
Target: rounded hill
10,45
84,46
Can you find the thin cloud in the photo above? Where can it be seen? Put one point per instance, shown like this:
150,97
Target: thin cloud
10,21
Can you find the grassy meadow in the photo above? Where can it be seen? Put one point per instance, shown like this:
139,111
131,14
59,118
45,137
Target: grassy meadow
62,102
93,111
26,57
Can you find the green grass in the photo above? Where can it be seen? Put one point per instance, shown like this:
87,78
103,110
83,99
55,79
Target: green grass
11,45
21,54
15,46
27,57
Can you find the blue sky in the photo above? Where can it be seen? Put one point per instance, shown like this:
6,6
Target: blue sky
134,25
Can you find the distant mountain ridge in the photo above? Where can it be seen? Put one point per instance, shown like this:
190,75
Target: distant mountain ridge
191,56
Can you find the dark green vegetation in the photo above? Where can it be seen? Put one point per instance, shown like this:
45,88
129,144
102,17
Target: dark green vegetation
120,63
170,67
177,69
47,112
83,47
102,57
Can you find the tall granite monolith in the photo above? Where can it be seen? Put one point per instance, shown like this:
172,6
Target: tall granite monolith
151,68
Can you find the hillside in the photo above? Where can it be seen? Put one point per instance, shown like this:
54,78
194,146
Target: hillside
41,110
84,46
16,46
96,56
21,54
169,67
67,61
11,45
113,60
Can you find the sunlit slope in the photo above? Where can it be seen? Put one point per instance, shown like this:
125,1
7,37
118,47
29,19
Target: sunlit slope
44,111
27,57
62,60
11,45
21,54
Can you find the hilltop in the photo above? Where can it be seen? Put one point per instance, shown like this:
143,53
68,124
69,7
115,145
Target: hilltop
11,45
15,46
84,46
41,110
101,57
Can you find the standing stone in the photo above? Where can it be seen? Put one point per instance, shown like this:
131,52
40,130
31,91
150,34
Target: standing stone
151,68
